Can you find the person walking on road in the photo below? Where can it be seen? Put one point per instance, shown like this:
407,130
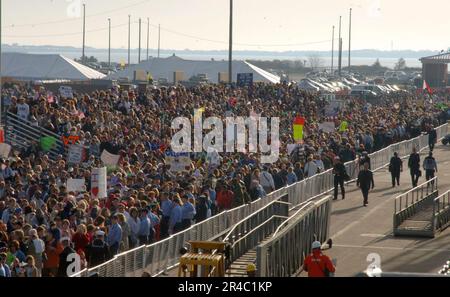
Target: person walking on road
430,167
414,167
432,138
365,182
317,264
340,175
395,167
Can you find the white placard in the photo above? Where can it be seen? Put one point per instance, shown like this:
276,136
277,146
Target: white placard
327,127
98,183
5,149
75,155
109,159
76,185
66,92
291,147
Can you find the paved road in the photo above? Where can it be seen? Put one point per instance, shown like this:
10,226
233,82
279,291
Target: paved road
359,231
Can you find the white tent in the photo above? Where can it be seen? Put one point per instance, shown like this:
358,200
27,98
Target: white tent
45,67
165,67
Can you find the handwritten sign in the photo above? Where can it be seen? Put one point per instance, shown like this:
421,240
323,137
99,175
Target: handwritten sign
75,155
327,127
98,183
66,92
109,159
76,185
5,149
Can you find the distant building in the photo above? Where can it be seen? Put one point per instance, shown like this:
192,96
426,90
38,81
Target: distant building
435,70
164,68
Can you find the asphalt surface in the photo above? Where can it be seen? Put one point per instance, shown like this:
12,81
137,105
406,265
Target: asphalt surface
364,235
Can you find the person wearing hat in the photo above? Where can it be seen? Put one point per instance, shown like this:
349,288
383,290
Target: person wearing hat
317,264
251,270
340,175
98,251
395,167
65,259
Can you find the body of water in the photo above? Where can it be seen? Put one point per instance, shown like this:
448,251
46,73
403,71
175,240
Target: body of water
119,57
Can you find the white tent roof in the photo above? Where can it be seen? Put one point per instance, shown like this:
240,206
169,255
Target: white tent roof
165,67
45,67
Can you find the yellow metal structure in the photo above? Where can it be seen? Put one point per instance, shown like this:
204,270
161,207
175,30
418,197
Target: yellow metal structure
206,254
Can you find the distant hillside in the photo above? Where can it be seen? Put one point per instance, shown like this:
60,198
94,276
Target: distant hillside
365,53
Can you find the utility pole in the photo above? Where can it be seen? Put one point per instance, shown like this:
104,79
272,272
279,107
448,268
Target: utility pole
159,38
340,48
332,52
148,36
129,38
230,50
84,33
139,53
109,42
350,41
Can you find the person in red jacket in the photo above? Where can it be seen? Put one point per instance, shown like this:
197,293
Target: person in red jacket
224,198
318,264
81,238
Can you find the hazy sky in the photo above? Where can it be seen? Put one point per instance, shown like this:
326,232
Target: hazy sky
258,24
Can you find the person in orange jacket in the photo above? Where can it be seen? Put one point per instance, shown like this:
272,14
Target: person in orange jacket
318,264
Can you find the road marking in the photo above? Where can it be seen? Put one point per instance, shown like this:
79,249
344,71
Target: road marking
373,235
369,213
389,248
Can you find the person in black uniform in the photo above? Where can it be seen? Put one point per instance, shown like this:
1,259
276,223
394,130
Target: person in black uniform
97,252
395,167
64,259
414,167
432,138
365,159
340,175
365,182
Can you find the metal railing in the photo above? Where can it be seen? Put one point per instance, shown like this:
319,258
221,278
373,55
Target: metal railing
441,211
21,133
419,200
284,253
163,255
414,196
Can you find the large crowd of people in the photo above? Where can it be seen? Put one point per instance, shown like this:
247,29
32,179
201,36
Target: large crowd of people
41,222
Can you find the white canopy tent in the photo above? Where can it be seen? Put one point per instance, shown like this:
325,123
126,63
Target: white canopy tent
23,66
163,68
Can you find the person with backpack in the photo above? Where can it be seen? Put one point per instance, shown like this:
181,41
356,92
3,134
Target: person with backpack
414,167
395,167
430,167
318,264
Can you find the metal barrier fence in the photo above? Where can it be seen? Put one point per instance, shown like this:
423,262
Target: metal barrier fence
441,211
416,205
163,255
284,253
21,133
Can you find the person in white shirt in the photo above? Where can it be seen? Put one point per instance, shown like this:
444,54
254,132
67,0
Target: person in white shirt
311,168
23,109
266,180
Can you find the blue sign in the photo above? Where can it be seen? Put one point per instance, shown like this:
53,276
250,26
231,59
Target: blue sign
244,79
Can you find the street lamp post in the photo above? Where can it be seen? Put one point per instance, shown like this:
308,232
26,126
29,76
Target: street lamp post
349,40
129,39
84,33
109,42
139,53
230,50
